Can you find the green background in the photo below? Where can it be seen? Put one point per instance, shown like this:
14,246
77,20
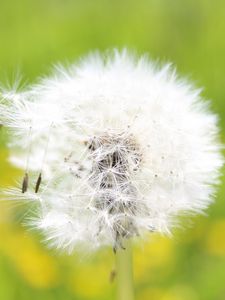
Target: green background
36,34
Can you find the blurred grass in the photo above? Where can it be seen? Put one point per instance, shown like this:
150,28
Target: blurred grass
190,33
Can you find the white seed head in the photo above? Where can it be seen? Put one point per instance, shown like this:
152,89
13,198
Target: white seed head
112,148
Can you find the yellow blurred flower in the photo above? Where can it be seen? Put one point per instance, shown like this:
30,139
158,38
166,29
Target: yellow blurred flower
30,260
90,280
180,292
156,253
150,293
215,243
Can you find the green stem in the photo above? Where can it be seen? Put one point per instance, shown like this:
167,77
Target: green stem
124,269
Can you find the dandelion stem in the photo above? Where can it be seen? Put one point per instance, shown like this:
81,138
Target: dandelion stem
124,268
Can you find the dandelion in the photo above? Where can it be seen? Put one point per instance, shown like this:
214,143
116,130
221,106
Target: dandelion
112,148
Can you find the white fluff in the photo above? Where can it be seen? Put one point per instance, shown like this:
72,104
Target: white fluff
124,147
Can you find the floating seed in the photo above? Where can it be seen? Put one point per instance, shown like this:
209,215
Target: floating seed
38,183
25,183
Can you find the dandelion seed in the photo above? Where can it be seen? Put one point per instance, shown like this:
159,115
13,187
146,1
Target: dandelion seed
38,183
112,276
25,183
132,148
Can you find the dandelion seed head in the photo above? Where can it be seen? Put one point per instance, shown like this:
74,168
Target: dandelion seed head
123,147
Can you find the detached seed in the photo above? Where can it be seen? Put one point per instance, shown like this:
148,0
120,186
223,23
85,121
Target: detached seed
25,183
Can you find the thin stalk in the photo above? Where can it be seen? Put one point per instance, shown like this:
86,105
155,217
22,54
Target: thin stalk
124,270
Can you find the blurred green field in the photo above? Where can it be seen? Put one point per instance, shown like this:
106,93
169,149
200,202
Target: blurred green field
36,34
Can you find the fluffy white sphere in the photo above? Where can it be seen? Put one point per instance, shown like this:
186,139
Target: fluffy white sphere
123,147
